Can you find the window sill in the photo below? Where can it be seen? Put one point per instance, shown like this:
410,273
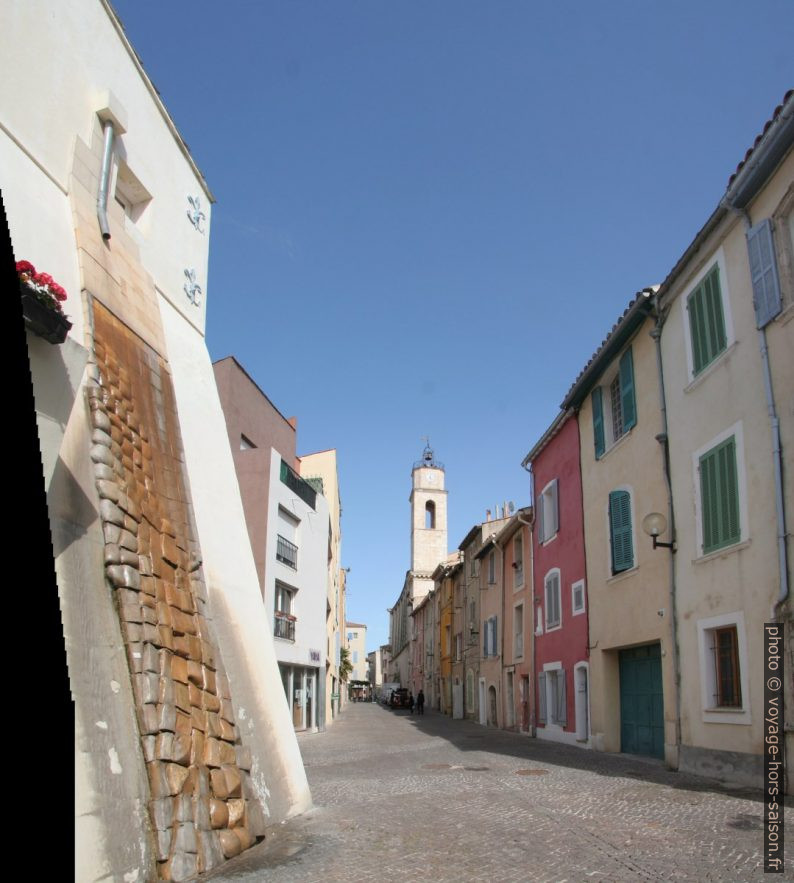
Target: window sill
553,628
739,716
615,444
624,574
550,540
578,612
711,367
721,553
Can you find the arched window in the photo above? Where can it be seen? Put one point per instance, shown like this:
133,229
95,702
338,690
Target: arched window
430,515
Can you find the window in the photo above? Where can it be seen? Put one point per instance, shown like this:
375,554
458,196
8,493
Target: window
129,193
577,597
286,552
719,497
552,696
548,512
620,534
726,665
708,337
489,637
246,444
284,624
723,669
763,272
492,568
473,567
430,515
614,405
518,561
518,631
458,647
552,592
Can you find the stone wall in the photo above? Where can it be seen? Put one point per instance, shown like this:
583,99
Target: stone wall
202,807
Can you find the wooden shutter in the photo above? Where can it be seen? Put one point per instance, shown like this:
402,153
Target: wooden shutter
620,531
555,502
539,519
562,699
542,697
493,636
598,422
706,321
719,496
763,272
627,401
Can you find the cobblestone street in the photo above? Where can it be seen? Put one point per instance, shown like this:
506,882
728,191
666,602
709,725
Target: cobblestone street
425,798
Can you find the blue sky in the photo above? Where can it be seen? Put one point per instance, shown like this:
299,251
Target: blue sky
429,214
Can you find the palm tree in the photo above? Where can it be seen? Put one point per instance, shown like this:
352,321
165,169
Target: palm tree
345,665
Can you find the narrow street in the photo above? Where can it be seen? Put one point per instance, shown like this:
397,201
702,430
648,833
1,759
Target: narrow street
401,797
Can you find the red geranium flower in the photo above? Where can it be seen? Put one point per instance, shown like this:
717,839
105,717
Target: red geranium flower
25,267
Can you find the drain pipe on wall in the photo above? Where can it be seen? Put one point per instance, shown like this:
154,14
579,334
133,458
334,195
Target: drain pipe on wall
104,180
777,452
531,525
662,438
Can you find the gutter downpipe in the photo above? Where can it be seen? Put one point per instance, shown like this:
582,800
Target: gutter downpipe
662,438
104,180
531,525
777,451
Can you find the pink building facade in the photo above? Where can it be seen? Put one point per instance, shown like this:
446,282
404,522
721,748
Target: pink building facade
561,656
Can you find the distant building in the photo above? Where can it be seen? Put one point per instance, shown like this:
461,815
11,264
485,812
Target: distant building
288,525
320,470
428,548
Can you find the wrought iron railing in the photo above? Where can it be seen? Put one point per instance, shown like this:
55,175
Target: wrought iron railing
286,552
295,483
285,626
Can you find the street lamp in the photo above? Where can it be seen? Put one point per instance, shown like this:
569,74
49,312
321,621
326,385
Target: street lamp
655,525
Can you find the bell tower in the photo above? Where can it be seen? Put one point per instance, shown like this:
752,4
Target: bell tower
428,521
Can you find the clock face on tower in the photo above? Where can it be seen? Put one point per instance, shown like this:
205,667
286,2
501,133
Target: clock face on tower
430,478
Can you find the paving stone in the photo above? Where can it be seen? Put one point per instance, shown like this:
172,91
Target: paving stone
414,798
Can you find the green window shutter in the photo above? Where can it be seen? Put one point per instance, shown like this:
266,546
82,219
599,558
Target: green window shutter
719,496
620,531
598,422
706,321
628,403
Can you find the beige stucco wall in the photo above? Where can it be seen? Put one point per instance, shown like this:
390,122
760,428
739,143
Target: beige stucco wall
324,465
624,609
428,547
728,395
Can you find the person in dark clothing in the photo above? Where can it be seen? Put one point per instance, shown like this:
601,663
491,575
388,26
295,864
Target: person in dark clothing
420,702
411,702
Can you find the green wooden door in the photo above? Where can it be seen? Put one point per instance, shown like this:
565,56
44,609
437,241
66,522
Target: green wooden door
641,702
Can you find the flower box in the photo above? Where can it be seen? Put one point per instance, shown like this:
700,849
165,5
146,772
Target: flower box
43,321
41,303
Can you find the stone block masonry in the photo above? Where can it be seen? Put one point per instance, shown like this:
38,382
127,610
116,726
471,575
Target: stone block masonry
202,807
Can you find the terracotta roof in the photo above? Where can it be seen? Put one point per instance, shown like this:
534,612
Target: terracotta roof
636,310
770,122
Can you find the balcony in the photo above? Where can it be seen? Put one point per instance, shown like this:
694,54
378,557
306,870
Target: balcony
295,483
285,626
286,552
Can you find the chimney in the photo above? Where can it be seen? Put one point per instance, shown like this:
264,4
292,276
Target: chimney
487,514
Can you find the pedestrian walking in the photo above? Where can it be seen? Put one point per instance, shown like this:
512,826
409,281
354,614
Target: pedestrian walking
411,702
420,702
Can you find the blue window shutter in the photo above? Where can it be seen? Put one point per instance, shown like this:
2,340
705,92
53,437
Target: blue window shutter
627,400
555,497
484,628
763,272
620,531
598,422
493,636
539,518
542,697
